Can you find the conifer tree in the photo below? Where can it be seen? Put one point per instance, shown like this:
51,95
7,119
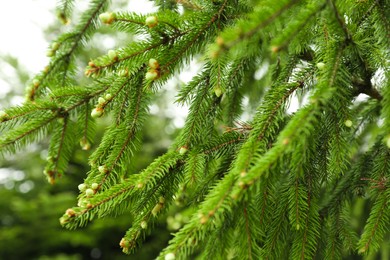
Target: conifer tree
260,182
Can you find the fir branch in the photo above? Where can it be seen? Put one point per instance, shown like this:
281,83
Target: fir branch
20,114
280,186
58,155
217,146
340,20
196,37
216,199
269,18
28,132
110,200
130,140
385,18
76,38
88,128
64,10
105,63
248,234
300,22
377,224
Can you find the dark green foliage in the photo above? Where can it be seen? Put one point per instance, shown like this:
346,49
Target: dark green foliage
274,184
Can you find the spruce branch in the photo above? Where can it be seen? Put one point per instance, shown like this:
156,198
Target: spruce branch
64,10
76,38
385,18
54,169
269,18
197,36
248,233
376,224
340,20
258,181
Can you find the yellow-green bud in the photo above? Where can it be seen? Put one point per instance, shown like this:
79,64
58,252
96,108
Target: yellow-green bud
275,49
218,91
50,53
161,200
97,112
82,187
183,150
388,141
124,243
158,206
151,75
144,225
348,123
64,219
108,97
107,18
320,65
102,169
101,100
112,54
94,185
70,212
153,63
157,209
170,256
151,21
3,115
85,145
89,192
36,82
123,73
55,46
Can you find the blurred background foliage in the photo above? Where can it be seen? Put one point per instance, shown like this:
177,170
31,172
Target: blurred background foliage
30,207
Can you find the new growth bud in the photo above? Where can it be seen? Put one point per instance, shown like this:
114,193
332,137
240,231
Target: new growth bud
153,64
82,187
101,100
158,206
55,46
89,192
123,73
151,75
50,53
70,212
151,21
220,42
170,256
97,112
388,141
183,150
36,82
144,225
85,144
348,123
107,18
320,65
108,97
275,49
124,243
102,169
112,55
3,115
218,91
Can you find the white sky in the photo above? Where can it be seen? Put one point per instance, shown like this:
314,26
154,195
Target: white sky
23,38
